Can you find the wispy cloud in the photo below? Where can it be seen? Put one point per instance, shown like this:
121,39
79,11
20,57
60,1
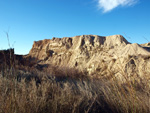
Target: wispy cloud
108,5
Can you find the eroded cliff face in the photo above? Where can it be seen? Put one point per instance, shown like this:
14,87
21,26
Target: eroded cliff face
92,53
76,51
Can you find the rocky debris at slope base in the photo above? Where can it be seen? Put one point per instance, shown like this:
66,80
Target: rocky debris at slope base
92,53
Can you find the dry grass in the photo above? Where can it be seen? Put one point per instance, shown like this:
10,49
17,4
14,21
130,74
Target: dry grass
70,92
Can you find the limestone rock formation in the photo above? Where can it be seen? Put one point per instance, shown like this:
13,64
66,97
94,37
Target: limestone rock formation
92,53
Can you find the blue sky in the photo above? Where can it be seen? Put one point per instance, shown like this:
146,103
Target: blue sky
32,20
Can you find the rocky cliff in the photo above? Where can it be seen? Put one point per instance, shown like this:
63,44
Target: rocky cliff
92,53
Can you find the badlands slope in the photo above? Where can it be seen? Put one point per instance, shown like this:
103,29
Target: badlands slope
93,54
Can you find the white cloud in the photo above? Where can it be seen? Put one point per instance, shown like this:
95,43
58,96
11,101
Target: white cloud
108,5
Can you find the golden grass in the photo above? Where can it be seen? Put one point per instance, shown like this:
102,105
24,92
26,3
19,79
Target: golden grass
33,91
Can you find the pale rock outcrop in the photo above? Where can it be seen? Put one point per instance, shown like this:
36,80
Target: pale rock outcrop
92,53
133,49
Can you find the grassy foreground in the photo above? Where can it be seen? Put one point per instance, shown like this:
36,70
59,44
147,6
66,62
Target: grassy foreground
68,91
